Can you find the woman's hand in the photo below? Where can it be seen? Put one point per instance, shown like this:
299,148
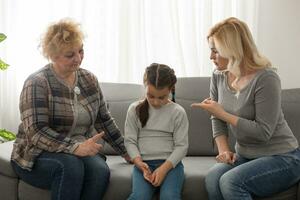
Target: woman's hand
215,109
89,147
226,157
212,107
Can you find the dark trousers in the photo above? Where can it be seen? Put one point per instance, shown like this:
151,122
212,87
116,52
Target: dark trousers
67,176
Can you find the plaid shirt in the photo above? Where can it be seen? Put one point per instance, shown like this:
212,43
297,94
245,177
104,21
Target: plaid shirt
47,114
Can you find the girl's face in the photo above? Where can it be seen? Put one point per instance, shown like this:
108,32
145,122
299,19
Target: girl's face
157,97
220,62
70,59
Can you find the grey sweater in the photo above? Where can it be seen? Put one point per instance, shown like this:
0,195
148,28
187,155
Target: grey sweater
261,129
165,136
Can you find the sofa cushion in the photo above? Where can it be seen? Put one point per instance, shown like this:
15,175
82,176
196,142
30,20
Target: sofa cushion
291,109
118,98
195,170
188,91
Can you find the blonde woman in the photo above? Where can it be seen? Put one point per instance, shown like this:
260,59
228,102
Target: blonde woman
245,100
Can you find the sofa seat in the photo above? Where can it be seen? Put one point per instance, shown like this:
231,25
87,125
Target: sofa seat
196,167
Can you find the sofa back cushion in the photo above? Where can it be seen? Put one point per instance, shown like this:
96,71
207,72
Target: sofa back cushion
291,109
118,97
190,90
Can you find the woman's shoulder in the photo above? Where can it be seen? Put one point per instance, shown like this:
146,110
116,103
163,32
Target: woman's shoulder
39,76
267,74
218,75
84,73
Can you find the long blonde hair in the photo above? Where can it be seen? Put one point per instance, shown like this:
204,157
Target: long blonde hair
233,40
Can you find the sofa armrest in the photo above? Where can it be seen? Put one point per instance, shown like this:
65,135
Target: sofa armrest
5,166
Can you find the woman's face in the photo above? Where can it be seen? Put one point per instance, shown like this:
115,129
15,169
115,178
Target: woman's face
157,97
70,59
219,61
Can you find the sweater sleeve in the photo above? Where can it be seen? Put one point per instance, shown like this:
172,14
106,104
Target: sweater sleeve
180,137
219,127
267,111
34,111
131,132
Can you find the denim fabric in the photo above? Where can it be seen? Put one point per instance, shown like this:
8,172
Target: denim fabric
170,189
67,176
253,177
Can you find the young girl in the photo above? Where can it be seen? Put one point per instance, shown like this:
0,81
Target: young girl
156,137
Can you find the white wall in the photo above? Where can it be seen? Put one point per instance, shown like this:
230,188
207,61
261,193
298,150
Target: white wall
278,38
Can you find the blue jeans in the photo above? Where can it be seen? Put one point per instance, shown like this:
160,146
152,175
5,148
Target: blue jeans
170,188
67,176
253,177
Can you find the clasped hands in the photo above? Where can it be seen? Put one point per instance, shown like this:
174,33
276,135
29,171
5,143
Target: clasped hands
156,177
227,157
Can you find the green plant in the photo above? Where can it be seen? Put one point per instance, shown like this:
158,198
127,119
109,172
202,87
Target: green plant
3,65
6,135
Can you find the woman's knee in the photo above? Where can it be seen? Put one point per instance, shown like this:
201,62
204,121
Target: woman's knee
229,182
70,167
97,167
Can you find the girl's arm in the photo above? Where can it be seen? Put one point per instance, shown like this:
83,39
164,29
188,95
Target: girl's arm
131,131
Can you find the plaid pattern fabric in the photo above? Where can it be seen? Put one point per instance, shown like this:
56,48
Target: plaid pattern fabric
47,115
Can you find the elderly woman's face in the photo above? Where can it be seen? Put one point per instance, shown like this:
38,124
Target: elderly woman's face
220,62
70,59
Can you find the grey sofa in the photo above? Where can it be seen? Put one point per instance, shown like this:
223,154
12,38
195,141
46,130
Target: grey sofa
201,151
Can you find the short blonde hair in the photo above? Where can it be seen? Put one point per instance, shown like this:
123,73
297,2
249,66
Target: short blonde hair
60,36
233,40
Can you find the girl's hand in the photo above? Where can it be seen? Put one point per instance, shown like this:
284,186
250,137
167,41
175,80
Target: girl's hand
160,173
138,162
90,147
158,176
226,157
212,107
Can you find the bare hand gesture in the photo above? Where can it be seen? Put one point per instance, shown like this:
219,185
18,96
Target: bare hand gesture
89,147
211,106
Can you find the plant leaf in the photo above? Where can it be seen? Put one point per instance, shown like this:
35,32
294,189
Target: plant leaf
2,37
3,65
7,135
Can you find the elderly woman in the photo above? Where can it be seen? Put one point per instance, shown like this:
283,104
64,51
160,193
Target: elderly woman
63,116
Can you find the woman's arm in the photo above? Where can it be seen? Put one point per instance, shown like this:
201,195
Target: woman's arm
104,122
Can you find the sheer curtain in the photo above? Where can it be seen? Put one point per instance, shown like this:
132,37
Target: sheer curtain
122,38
